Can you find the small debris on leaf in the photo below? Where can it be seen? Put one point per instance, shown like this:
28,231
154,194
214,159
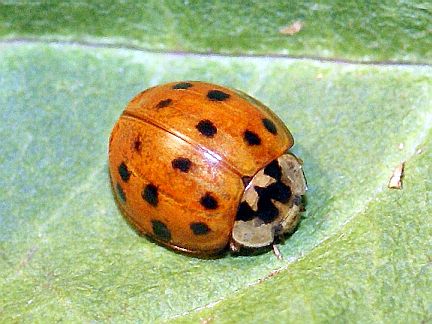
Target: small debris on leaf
396,179
292,29
401,146
419,151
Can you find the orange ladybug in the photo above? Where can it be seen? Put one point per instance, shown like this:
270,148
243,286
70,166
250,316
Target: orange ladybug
199,167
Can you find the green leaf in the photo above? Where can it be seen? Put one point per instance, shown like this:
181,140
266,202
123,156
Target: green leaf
354,30
376,269
361,252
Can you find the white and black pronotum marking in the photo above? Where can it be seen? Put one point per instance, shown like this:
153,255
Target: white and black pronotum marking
271,203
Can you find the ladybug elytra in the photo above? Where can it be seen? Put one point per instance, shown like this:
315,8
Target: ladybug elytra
199,167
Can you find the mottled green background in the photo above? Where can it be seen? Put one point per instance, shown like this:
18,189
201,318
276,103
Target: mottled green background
362,252
355,30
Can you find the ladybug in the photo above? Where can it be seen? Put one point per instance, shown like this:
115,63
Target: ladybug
199,167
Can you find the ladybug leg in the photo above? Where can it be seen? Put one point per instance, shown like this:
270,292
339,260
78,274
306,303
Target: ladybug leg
277,252
234,246
281,239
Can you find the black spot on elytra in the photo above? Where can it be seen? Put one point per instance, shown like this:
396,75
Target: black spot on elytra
150,194
267,211
251,138
217,95
164,103
182,85
183,164
245,212
270,126
124,172
121,194
137,144
274,170
161,230
206,128
199,228
208,201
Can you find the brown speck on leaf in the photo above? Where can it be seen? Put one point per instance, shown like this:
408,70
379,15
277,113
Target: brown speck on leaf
292,29
396,179
271,274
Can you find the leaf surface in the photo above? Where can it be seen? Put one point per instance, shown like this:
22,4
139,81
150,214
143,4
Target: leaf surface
362,252
67,254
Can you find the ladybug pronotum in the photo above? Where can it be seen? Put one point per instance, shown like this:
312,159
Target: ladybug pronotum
199,167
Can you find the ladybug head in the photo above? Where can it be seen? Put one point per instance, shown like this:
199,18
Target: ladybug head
271,203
